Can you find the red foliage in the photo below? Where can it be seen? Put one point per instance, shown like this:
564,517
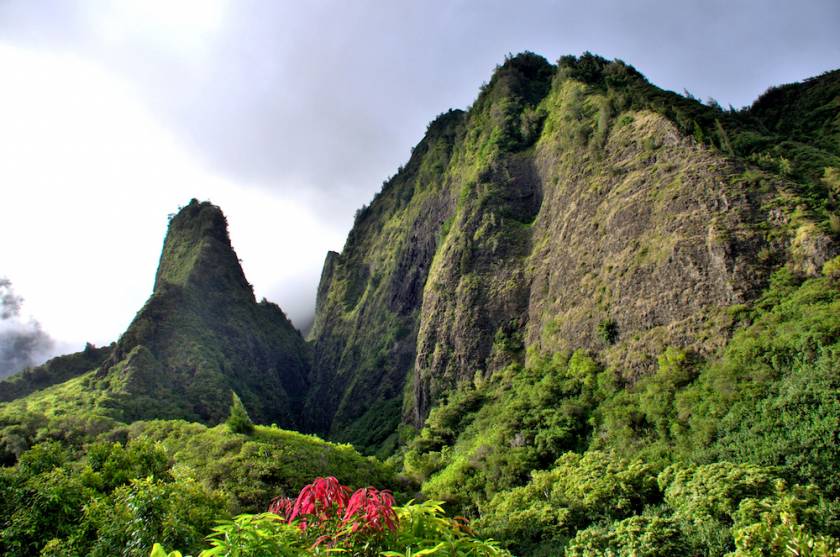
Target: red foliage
281,506
323,499
370,509
328,505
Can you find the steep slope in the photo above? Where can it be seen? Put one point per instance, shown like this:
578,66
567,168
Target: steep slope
370,294
572,206
200,335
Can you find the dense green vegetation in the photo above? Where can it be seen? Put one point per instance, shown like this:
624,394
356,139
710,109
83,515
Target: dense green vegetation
53,372
164,481
586,425
702,457
327,517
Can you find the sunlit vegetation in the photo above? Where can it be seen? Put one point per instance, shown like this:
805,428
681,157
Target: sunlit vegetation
701,457
164,481
327,517
724,449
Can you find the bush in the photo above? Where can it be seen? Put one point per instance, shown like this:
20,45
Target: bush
238,420
144,511
607,331
640,536
327,518
578,491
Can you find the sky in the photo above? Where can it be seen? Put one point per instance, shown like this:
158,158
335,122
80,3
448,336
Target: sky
289,116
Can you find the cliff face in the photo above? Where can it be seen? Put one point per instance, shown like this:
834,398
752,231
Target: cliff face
363,339
574,206
202,333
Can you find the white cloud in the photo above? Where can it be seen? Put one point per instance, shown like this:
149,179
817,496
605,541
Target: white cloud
88,179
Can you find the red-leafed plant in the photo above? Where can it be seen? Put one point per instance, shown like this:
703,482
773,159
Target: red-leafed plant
371,509
328,514
320,501
281,506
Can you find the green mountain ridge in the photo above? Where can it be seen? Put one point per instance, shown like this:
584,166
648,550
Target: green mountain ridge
587,312
567,201
567,198
200,335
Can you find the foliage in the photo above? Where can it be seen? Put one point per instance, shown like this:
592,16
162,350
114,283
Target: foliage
327,518
771,398
255,468
238,420
519,420
765,410
607,331
163,481
426,530
641,536
576,492
134,516
784,524
255,536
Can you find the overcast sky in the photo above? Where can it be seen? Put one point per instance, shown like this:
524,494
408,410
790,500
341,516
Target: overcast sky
289,115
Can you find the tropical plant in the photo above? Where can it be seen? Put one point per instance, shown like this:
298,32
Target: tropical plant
239,421
328,517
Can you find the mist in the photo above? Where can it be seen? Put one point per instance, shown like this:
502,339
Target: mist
22,341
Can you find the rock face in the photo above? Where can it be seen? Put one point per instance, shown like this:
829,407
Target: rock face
574,206
202,333
363,339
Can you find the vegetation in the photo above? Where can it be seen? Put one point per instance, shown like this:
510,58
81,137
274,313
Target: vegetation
673,461
238,420
444,344
164,481
53,372
326,518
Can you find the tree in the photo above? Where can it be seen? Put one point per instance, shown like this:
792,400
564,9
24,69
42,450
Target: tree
238,420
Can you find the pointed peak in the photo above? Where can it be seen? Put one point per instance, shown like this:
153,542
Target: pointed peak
200,218
197,253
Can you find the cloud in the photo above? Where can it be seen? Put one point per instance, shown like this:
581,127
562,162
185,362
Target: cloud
116,113
22,341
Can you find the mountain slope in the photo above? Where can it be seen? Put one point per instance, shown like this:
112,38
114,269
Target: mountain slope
363,339
572,206
200,335
56,370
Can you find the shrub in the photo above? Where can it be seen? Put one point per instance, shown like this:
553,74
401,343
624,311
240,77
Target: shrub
238,420
607,331
640,536
326,518
578,491
790,522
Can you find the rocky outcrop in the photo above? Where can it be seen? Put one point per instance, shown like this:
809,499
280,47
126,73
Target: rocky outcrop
202,334
573,206
369,297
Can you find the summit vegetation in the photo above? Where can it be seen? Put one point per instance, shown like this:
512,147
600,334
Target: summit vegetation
588,317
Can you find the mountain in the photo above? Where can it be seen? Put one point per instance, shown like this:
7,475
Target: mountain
200,335
594,316
55,371
571,206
